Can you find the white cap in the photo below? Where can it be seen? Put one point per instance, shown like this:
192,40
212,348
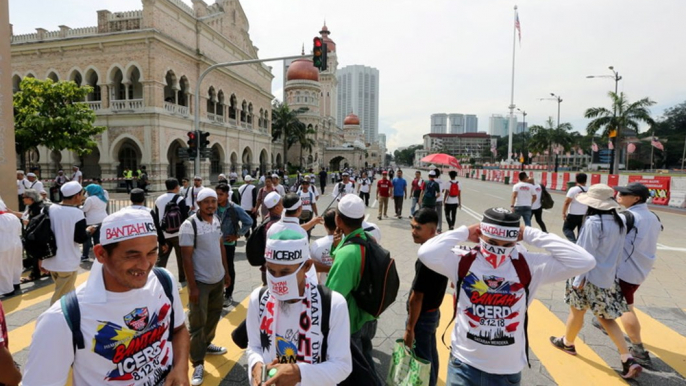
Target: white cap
272,200
287,247
31,175
247,177
432,173
275,175
71,188
20,172
351,206
126,224
197,178
205,193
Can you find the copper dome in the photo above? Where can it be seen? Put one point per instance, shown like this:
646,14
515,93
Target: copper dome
351,119
302,69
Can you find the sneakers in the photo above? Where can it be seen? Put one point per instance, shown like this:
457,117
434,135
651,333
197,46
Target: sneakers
213,349
560,343
379,217
631,369
596,323
228,301
198,375
642,357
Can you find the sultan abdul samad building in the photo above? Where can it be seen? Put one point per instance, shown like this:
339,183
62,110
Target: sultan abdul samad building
143,66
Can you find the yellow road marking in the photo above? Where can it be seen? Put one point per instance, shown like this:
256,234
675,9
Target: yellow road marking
20,337
587,368
444,352
36,296
662,341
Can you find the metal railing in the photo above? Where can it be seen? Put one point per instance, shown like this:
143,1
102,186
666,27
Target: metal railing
116,204
128,104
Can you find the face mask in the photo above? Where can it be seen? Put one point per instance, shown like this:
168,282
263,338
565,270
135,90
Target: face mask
495,254
284,288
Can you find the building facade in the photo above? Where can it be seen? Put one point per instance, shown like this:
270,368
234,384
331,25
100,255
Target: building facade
471,123
439,123
498,125
143,66
457,124
472,145
358,92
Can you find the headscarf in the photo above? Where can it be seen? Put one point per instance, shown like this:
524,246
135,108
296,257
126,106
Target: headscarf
96,190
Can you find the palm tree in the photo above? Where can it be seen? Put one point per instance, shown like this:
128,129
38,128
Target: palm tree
304,138
285,125
623,115
546,138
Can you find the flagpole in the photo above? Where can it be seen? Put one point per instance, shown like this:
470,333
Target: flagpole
683,155
652,151
512,105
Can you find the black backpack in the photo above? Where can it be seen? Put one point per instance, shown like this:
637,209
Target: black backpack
173,216
256,244
379,281
39,239
546,199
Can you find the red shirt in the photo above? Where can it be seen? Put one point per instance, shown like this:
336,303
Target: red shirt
384,187
3,328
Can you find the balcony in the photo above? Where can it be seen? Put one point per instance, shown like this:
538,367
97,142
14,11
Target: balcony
128,105
94,105
216,118
176,109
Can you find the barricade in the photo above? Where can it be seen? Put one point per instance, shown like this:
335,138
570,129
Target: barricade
677,192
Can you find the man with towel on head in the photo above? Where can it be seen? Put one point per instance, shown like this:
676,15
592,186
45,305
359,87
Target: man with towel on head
285,321
125,317
494,284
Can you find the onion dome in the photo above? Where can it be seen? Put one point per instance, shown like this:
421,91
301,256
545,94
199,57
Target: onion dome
351,119
330,44
302,69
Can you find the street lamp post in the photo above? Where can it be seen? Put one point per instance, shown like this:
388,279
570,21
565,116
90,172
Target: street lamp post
559,101
523,130
615,76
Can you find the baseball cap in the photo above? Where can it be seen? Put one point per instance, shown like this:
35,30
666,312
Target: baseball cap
126,224
634,189
501,224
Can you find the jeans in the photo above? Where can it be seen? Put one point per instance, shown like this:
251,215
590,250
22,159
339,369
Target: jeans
425,341
363,340
573,221
93,239
129,185
415,201
525,211
398,203
203,317
162,259
451,214
439,211
462,374
365,197
383,206
230,254
538,214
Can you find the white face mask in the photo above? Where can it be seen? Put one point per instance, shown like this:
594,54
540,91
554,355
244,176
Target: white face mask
495,254
284,288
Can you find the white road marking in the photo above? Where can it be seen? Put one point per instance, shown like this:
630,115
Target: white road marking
471,212
373,204
498,197
668,248
366,217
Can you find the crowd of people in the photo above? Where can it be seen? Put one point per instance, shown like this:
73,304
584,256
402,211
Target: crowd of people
305,324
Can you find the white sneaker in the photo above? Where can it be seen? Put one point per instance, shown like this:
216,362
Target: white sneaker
198,375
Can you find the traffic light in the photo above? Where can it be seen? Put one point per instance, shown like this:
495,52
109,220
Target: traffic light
319,53
204,142
192,144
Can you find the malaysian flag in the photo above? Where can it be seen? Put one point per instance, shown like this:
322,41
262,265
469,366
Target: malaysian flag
594,147
631,148
531,155
518,27
657,144
610,145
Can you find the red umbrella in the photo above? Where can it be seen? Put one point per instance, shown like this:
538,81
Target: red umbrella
442,159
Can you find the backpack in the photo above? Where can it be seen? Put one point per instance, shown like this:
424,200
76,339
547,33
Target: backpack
256,244
523,273
454,189
631,220
379,281
72,312
173,218
38,238
546,199
431,189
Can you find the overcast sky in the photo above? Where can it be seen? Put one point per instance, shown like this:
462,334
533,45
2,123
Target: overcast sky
455,56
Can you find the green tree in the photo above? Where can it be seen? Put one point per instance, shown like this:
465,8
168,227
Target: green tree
304,137
671,130
53,114
406,156
285,125
546,138
622,115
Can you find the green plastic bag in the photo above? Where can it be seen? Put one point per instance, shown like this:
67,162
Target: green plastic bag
406,368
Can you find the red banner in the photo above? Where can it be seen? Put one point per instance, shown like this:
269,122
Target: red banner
658,185
613,180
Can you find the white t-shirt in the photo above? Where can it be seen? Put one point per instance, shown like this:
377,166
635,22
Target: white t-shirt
320,250
279,189
347,188
193,196
441,193
63,221
76,175
262,180
449,199
245,193
10,253
22,185
575,207
125,336
161,203
36,185
364,184
95,210
308,199
525,193
372,229
539,191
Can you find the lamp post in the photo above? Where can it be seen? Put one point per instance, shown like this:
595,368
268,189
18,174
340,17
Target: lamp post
559,101
523,130
615,76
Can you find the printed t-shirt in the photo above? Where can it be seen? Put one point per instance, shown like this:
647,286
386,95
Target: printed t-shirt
431,284
399,185
320,250
125,335
538,191
575,207
383,187
524,193
63,220
308,198
207,255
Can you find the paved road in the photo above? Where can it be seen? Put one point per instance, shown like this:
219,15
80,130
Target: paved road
660,301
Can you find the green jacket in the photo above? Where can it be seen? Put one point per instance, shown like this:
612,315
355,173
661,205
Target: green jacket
344,277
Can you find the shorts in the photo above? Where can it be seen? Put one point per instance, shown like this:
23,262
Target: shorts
606,303
628,291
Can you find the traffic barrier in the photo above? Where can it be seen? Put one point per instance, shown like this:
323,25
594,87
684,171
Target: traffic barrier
677,190
595,179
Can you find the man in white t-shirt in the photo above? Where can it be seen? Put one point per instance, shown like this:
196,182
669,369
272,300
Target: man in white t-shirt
76,175
439,200
22,185
233,177
363,187
573,211
126,318
536,207
34,183
320,249
192,194
523,196
171,238
309,201
305,354
343,187
453,199
68,223
248,199
277,186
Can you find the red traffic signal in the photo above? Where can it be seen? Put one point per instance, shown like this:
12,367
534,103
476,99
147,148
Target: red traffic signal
192,140
319,54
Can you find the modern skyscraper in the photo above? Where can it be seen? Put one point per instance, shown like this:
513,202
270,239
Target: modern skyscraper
382,140
471,123
522,127
498,125
456,123
358,93
439,123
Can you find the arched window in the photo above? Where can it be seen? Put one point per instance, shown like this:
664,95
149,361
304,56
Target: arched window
183,92
53,76
135,85
92,80
244,111
259,121
170,88
76,78
118,88
220,104
232,107
250,114
211,100
16,81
